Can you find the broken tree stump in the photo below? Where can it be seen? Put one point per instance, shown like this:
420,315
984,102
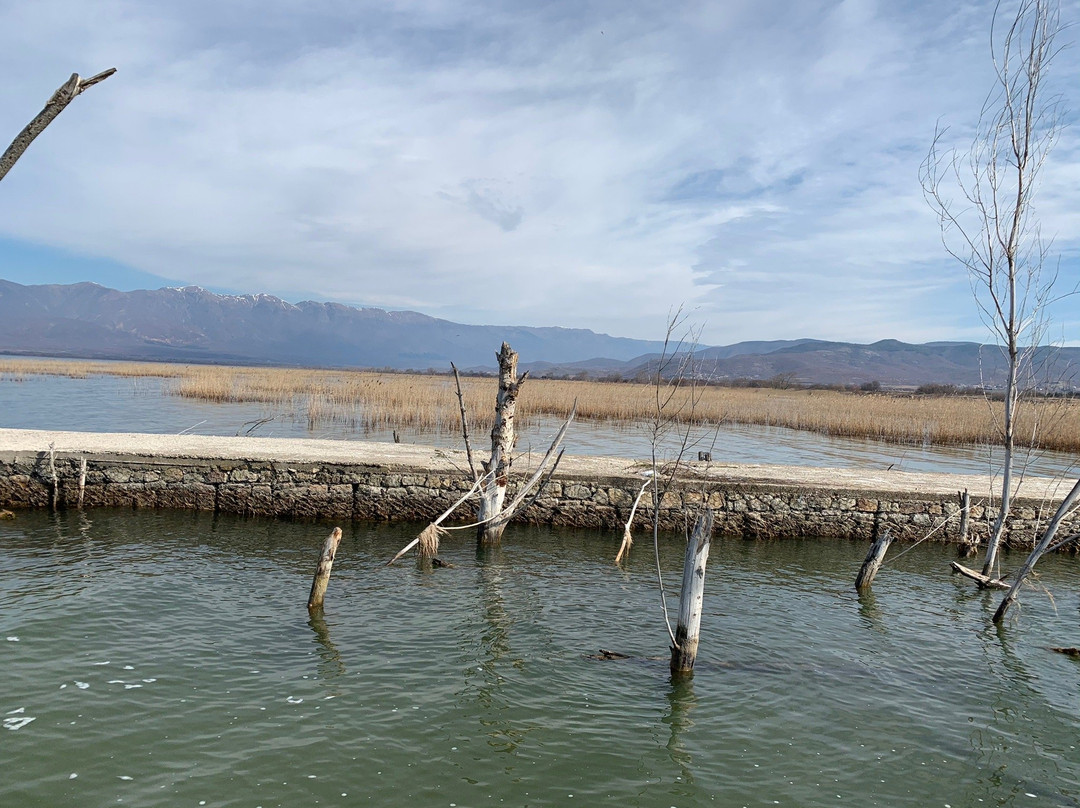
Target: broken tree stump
873,560
688,629
503,438
322,571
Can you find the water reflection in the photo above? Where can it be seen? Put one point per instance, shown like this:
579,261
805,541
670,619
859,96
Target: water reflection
497,721
331,665
681,703
870,614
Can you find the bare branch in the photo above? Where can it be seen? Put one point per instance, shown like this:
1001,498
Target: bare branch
53,107
464,423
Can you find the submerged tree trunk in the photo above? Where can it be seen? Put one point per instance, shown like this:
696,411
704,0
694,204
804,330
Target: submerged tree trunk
322,570
872,564
688,629
502,448
1006,472
1036,554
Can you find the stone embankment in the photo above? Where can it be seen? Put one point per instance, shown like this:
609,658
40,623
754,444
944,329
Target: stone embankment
351,480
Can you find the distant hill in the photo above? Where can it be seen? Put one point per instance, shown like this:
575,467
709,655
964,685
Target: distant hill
193,325
890,362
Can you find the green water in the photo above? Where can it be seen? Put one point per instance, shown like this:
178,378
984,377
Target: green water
168,660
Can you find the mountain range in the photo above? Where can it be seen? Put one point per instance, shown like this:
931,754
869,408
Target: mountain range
191,324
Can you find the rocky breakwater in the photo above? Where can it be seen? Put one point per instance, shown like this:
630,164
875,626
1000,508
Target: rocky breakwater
321,479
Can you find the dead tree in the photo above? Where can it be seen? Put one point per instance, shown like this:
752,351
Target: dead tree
53,107
990,228
503,438
692,596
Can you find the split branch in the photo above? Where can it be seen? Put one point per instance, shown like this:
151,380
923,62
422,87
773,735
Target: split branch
53,107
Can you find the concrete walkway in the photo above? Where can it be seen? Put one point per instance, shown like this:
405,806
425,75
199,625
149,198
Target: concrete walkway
23,442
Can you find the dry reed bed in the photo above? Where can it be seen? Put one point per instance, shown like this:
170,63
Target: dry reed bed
368,400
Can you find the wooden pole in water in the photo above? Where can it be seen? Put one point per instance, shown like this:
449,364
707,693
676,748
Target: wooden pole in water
684,651
873,561
322,572
965,549
82,480
55,478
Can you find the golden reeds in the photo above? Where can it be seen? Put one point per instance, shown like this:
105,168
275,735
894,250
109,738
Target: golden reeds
369,401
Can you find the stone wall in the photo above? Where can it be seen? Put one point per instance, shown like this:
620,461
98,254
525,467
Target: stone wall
380,492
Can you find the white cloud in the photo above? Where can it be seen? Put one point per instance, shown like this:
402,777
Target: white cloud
551,164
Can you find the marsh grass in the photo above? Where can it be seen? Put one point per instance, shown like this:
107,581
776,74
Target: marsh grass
428,403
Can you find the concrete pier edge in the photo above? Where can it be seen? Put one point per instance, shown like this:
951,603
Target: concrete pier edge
330,479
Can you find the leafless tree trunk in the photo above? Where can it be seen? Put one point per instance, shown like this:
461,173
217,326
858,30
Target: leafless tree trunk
868,571
53,107
323,569
692,596
990,229
503,439
1044,545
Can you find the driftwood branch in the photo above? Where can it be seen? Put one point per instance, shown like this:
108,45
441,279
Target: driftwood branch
627,538
445,514
53,107
506,514
984,581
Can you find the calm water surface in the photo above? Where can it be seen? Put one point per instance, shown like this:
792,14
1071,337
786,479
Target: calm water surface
167,659
117,404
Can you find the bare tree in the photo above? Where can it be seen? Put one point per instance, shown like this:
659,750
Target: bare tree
989,225
53,107
677,390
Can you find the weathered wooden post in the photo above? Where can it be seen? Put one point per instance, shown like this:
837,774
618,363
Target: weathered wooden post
82,481
873,561
55,498
684,651
503,439
322,571
966,548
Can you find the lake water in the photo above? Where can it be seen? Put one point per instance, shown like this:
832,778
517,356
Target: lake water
167,659
118,404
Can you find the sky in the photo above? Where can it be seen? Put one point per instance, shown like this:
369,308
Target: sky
579,164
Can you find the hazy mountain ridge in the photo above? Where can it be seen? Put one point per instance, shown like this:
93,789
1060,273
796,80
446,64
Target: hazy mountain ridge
191,324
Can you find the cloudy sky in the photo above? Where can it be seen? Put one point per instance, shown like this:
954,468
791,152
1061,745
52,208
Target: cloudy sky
585,164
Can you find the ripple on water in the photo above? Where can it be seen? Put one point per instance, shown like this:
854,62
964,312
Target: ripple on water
185,669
